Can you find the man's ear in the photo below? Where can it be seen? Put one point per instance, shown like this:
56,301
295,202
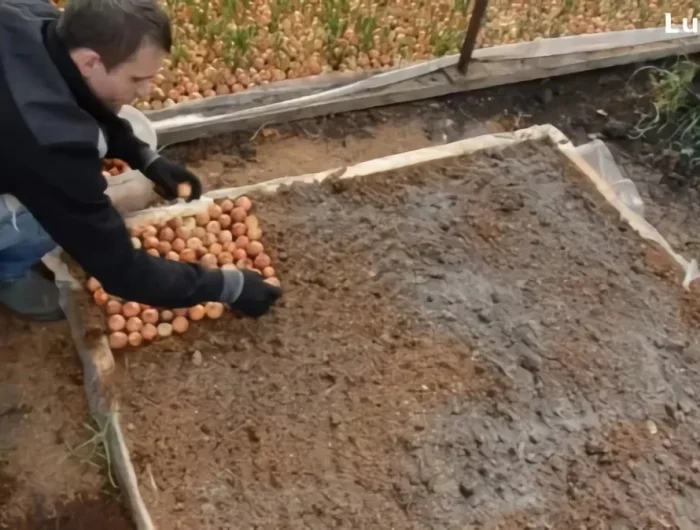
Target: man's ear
86,60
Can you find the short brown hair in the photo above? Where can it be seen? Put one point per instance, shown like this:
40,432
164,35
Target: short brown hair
116,29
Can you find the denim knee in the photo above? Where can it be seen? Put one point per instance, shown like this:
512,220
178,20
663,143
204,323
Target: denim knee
23,241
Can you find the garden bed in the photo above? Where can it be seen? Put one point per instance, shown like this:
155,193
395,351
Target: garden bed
473,341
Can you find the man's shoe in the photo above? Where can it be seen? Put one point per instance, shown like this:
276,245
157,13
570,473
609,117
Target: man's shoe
32,297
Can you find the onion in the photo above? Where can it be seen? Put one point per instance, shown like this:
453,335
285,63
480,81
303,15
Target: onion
239,254
164,247
254,233
216,248
114,307
209,261
213,227
184,190
214,211
134,324
225,258
100,297
225,236
254,249
202,218
225,220
242,242
116,323
149,231
180,324
173,256
194,243
93,285
251,222
153,252
180,312
150,316
262,260
238,215
244,202
166,315
238,229
214,310
118,340
167,234
136,242
165,329
188,255
210,239
150,242
179,245
175,223
227,205
273,281
149,332
196,312
183,233
131,309
135,338
199,231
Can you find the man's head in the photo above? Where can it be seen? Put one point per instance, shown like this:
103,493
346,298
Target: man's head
118,45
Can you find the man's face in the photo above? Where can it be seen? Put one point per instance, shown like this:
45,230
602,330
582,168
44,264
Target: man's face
125,82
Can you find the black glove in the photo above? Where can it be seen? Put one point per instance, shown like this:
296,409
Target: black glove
247,292
166,175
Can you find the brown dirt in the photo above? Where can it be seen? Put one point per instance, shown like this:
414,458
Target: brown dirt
470,344
44,484
602,103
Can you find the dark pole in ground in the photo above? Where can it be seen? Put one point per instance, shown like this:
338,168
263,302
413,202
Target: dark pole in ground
465,54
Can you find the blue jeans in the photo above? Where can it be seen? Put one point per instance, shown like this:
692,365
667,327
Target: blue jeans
23,246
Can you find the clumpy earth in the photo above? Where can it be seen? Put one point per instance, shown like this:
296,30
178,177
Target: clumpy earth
47,481
473,343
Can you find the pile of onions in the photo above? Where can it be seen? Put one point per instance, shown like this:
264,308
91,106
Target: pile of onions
225,236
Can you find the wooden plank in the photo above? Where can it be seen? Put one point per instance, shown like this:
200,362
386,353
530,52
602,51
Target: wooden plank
482,74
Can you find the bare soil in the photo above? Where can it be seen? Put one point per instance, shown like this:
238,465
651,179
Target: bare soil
603,103
46,480
476,343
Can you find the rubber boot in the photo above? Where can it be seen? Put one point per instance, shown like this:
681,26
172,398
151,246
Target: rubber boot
32,297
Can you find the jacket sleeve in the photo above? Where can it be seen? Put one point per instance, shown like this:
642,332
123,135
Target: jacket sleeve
122,143
67,198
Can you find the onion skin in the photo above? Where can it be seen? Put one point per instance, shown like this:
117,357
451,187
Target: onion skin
180,324
114,307
149,332
164,329
135,338
244,203
118,340
227,205
116,323
93,285
131,309
100,297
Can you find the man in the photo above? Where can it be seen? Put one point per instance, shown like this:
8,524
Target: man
63,78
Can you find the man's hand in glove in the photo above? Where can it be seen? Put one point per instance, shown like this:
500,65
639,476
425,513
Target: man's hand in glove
247,292
168,175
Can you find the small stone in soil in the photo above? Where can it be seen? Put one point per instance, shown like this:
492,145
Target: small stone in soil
531,363
197,358
466,489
